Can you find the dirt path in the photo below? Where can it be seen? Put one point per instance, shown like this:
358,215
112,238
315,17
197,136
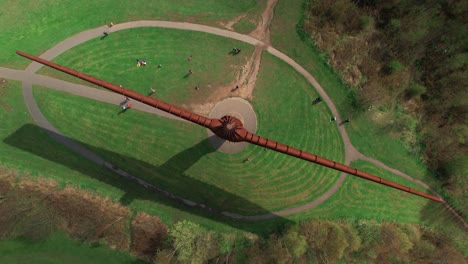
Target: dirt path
248,78
262,32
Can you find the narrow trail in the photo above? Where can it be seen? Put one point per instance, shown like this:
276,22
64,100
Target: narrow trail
28,77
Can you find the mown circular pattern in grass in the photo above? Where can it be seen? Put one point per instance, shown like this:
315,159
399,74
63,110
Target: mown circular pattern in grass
176,155
362,199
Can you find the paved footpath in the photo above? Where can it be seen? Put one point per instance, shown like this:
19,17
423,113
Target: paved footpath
29,78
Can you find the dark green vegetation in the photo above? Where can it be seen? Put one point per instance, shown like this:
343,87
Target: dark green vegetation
97,221
34,26
58,248
407,60
313,241
373,132
369,137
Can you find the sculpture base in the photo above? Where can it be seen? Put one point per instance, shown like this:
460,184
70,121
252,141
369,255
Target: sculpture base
242,110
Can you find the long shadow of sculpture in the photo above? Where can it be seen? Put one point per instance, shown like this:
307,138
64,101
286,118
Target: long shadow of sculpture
200,193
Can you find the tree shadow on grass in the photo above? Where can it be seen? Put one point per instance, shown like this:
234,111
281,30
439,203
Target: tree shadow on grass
440,217
206,201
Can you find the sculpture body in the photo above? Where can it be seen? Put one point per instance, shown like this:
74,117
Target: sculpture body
230,128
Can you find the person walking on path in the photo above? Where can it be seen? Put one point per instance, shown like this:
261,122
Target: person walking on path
126,100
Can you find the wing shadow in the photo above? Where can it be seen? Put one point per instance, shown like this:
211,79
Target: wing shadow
24,139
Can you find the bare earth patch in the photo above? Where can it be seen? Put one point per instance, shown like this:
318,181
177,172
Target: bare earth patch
244,84
229,25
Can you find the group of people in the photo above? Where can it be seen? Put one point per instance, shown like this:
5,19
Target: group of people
235,51
333,119
125,104
140,63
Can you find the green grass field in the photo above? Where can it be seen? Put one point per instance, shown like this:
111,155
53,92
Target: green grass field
35,26
361,199
365,135
115,62
29,150
59,248
161,151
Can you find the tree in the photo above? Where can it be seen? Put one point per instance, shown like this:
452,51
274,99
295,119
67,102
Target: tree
147,236
396,244
185,235
295,242
277,250
25,215
164,256
192,243
326,238
241,249
352,238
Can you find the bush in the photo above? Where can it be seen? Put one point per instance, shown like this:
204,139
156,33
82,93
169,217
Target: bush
393,66
365,22
415,90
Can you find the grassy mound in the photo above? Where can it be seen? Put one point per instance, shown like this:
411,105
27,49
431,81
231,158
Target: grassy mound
177,157
35,26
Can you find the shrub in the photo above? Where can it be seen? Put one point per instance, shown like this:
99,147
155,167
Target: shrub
393,66
415,90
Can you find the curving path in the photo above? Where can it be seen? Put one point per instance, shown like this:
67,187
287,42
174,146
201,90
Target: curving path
28,78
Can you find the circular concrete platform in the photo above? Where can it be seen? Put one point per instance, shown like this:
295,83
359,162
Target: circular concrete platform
242,110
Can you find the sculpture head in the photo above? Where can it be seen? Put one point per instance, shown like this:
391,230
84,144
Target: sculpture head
230,128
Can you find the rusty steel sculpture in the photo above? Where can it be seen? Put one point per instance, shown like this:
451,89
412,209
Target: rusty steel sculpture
230,128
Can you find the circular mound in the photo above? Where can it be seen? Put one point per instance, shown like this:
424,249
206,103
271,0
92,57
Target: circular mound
240,109
177,156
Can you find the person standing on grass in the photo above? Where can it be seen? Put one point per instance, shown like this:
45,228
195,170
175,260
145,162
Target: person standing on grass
317,100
